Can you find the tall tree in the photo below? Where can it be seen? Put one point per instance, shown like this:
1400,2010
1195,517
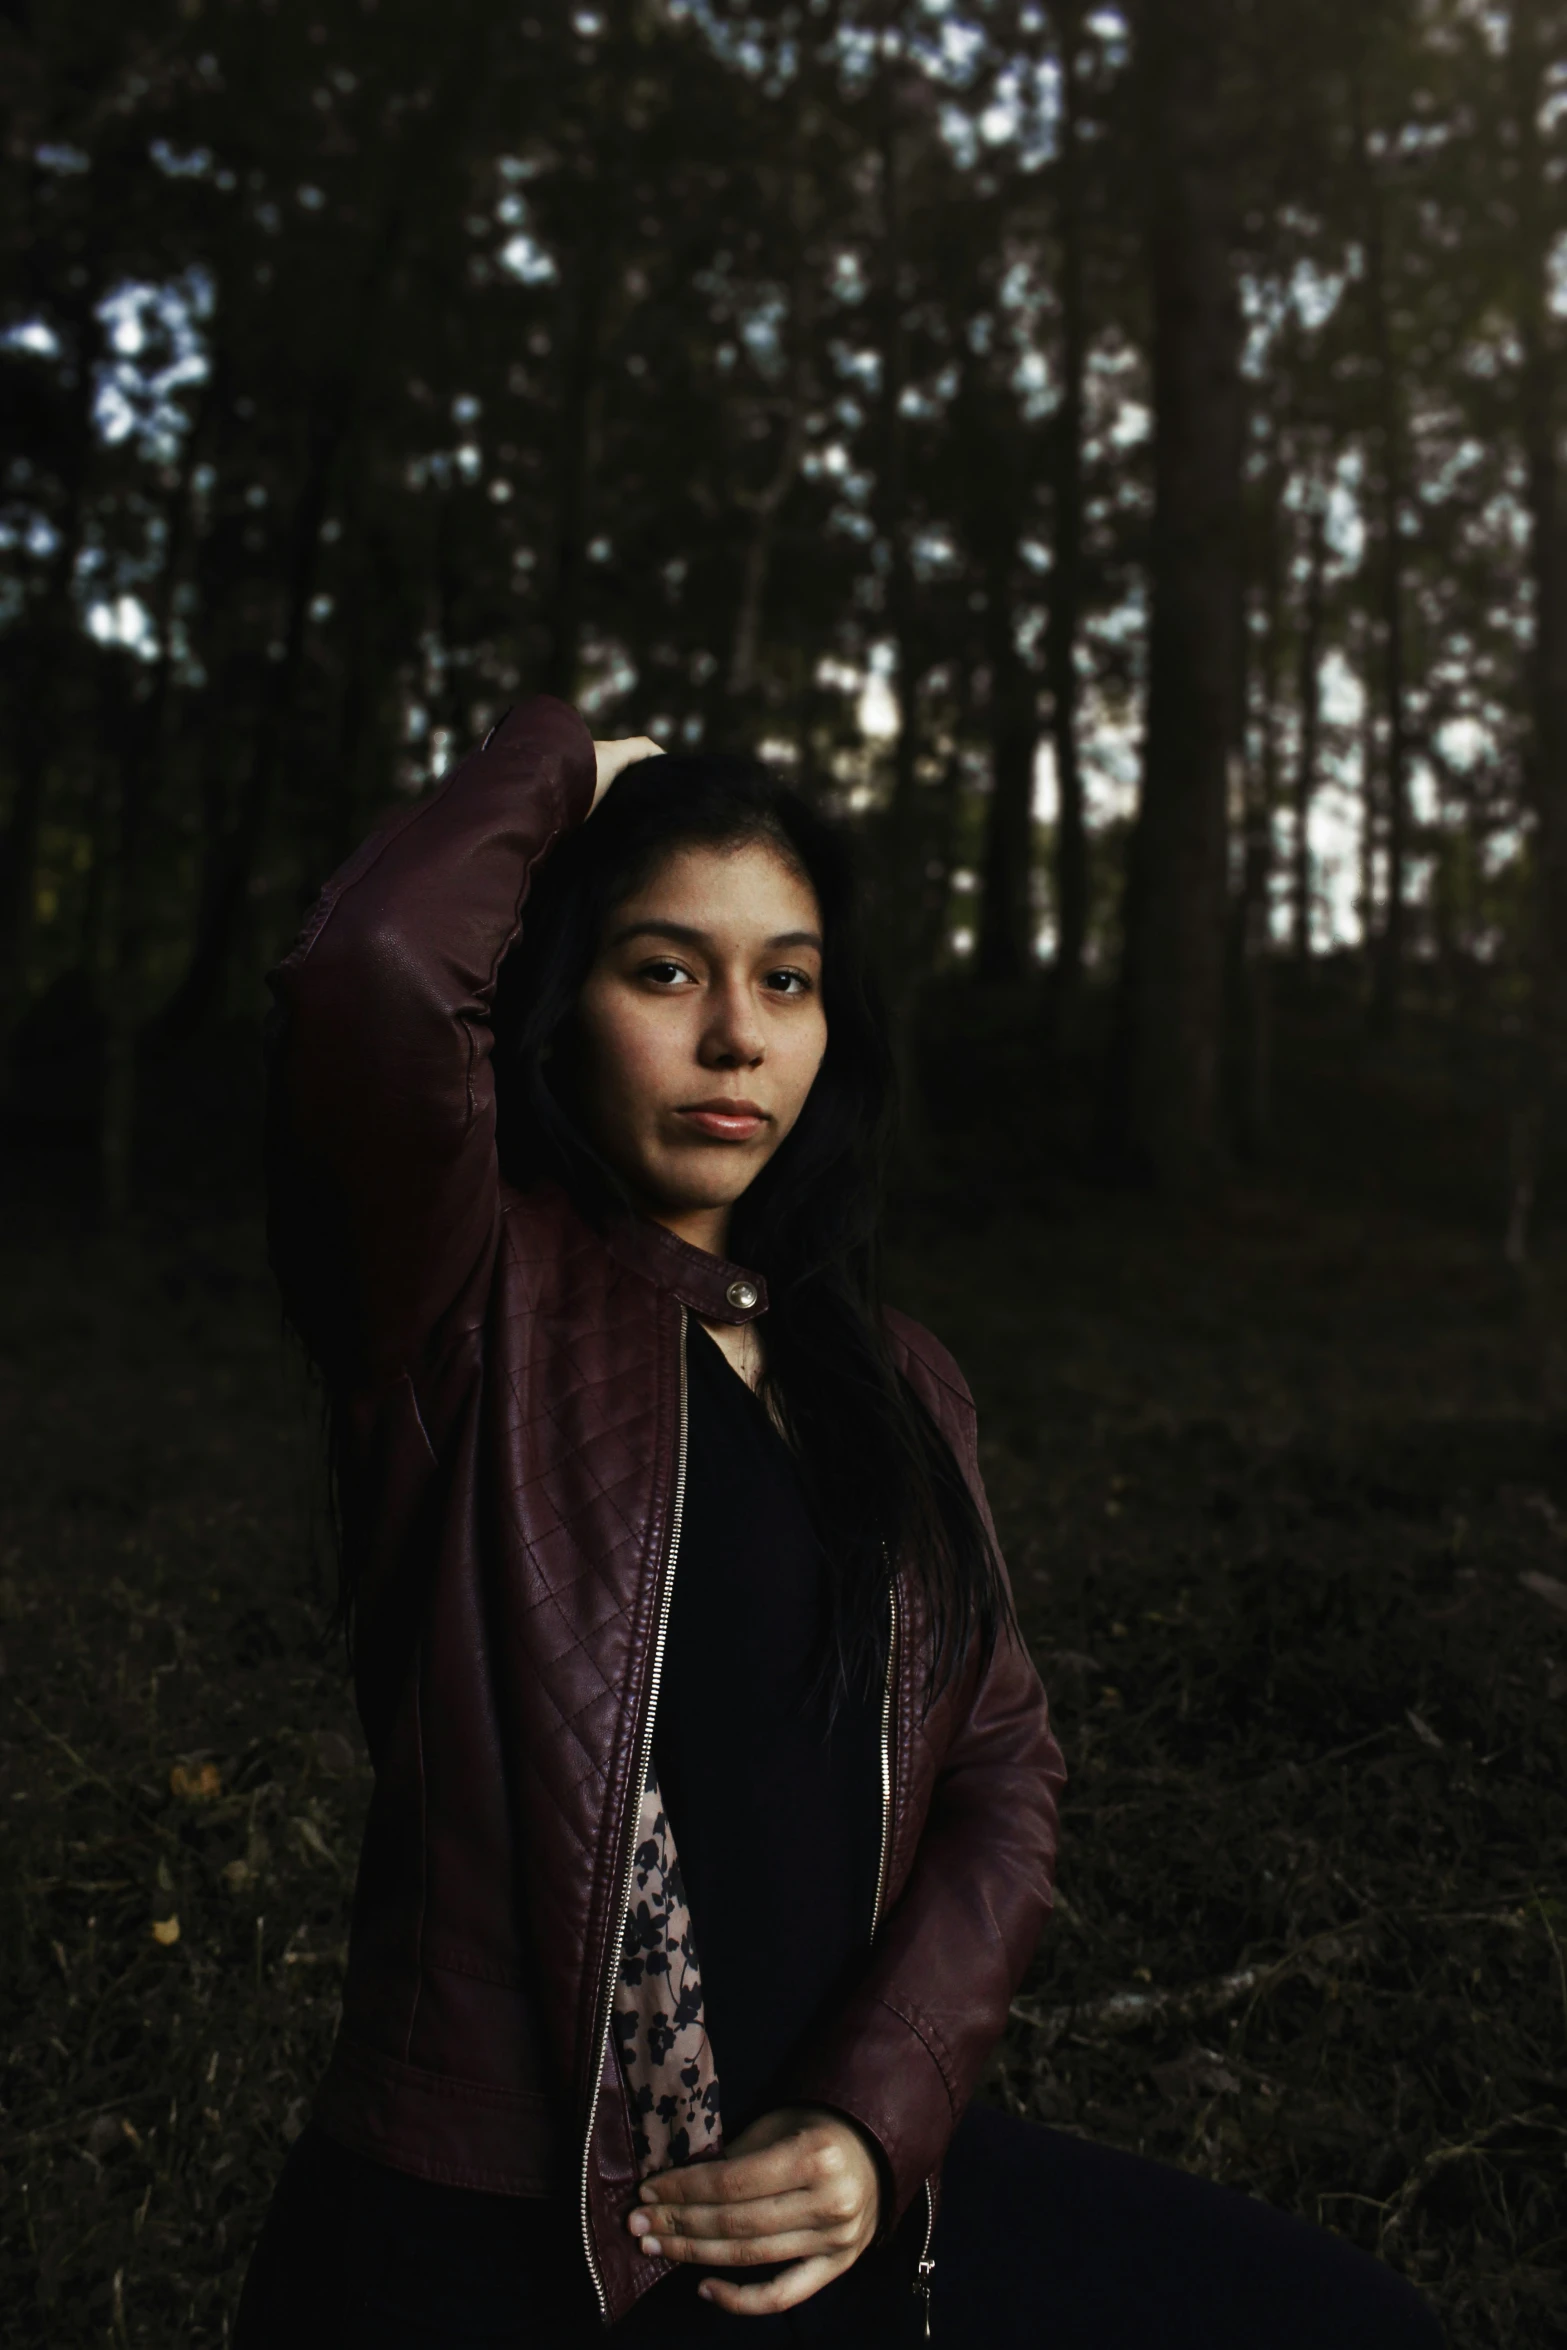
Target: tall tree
46,651
1064,619
1163,1080
894,137
1536,35
1391,566
1006,928
1261,657
231,856
1309,699
586,293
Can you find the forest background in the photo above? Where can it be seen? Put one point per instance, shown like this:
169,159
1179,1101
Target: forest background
1113,458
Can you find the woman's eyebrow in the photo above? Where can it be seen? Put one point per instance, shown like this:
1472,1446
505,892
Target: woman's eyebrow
685,934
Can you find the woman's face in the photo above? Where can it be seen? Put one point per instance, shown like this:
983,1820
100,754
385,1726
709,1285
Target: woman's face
701,1030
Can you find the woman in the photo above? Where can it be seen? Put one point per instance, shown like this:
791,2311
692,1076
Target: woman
715,1798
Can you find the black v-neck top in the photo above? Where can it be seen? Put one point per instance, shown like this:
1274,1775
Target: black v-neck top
775,1807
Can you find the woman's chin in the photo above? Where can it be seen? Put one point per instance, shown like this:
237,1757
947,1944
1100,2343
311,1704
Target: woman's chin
713,1176
699,1191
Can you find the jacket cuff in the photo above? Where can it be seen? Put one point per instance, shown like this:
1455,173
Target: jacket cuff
886,2069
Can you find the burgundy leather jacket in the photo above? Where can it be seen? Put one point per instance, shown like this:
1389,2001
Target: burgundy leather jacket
509,1393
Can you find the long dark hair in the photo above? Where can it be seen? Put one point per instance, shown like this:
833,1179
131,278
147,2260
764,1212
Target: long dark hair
881,1476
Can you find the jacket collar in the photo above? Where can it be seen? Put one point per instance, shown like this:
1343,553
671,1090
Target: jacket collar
715,1289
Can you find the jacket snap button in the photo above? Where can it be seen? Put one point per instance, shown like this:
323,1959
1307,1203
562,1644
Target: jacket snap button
741,1295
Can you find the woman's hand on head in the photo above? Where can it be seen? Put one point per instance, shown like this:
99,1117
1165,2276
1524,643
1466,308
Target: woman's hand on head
614,758
800,2185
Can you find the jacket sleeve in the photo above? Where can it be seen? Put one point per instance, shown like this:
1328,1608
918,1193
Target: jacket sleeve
383,1187
904,2051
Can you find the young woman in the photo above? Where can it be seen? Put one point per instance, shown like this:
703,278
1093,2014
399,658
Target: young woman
715,1796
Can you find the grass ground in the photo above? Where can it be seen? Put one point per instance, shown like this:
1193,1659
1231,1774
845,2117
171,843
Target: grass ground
1285,1496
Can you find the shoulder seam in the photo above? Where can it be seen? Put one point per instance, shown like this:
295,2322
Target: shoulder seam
958,1389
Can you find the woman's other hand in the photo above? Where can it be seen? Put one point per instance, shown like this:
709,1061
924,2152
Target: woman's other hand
800,2185
614,758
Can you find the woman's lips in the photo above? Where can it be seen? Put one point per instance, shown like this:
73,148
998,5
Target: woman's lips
725,1121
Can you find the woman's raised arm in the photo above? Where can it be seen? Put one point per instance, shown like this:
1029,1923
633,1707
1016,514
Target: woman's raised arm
382,1179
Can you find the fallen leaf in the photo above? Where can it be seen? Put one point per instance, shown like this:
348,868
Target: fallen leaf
1422,1729
166,1930
1550,1588
309,1837
237,1875
198,1786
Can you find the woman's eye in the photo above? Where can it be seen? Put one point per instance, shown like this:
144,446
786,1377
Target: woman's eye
664,973
789,982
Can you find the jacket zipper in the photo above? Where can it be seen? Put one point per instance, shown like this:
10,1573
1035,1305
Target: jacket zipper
927,2266
886,1756
634,1800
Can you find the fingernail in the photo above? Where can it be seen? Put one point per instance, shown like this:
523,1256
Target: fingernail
704,2292
650,2246
640,2223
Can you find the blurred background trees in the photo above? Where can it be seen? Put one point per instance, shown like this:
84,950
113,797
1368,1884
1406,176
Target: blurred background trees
1111,454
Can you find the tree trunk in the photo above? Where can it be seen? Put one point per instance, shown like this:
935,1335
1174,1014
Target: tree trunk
1162,1095
1540,420
36,743
902,820
1541,423
588,295
1006,914
903,850
144,748
1388,963
581,396
1255,923
360,752
763,505
1370,792
1063,619
1310,696
231,860
44,646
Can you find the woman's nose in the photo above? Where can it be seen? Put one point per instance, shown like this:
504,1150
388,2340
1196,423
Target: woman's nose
734,1033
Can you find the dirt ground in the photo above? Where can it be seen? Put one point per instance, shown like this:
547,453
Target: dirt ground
1285,1496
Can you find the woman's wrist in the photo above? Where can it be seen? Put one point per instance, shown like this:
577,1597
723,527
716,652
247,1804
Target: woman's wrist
614,758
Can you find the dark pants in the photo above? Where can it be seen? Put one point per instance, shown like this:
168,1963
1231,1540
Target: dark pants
1044,2243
